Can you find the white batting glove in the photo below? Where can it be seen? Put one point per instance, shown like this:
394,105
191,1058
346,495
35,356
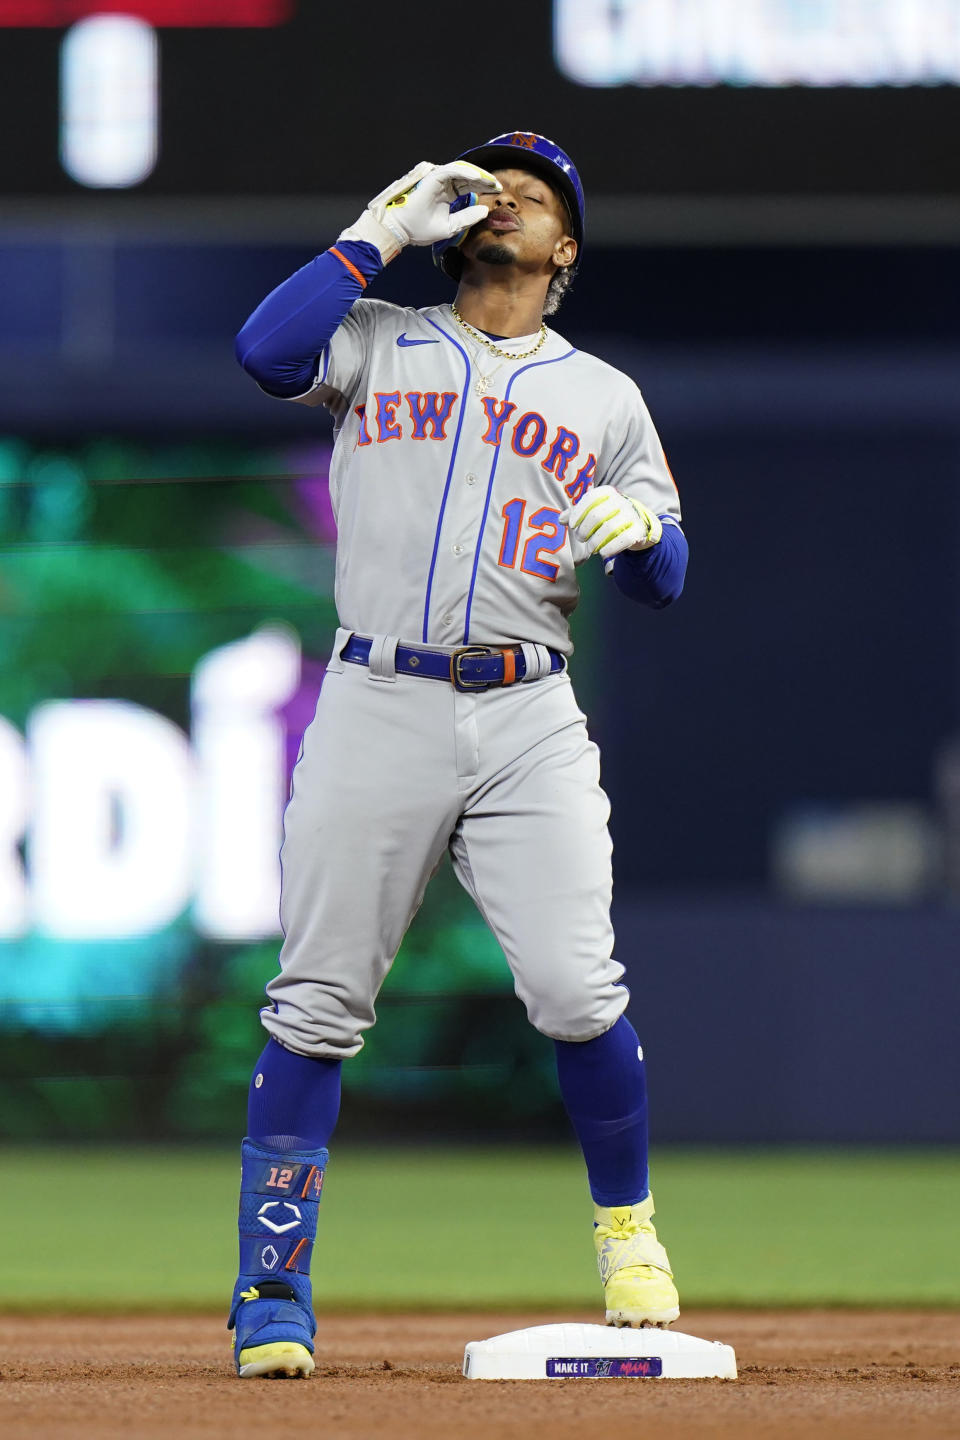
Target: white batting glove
608,522
415,210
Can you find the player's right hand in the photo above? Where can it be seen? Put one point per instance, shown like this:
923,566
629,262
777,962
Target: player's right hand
421,215
416,209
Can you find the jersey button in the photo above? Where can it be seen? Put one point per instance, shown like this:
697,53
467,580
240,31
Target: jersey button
448,619
471,479
458,549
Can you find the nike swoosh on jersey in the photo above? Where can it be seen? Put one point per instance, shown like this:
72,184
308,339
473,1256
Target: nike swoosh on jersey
402,340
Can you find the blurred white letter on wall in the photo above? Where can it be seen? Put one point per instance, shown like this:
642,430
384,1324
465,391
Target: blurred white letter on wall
108,101
14,807
110,846
240,745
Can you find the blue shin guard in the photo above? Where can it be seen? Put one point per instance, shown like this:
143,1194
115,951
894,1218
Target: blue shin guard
272,1306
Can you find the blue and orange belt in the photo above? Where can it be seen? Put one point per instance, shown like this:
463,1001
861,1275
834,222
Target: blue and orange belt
470,668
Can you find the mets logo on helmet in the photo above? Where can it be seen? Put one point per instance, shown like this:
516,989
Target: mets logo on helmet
524,138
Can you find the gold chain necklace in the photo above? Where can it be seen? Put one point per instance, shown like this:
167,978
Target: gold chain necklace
483,382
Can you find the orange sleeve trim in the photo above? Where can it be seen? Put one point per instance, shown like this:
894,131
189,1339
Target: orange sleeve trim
350,266
509,667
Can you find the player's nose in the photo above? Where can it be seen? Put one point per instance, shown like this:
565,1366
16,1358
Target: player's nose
506,197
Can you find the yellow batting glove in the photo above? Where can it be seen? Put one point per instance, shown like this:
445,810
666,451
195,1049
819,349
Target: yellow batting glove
608,522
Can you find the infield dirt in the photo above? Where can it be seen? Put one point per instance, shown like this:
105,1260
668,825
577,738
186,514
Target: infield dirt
802,1373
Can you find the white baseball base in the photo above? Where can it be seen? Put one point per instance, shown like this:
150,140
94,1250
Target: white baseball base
597,1352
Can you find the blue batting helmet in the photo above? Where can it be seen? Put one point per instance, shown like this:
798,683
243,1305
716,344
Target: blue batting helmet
522,150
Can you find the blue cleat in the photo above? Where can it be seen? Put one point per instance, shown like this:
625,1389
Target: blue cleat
274,1334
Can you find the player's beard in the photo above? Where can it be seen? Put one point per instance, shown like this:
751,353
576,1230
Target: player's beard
491,252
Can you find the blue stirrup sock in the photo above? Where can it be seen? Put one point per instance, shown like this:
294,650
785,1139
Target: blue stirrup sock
293,1105
294,1100
604,1088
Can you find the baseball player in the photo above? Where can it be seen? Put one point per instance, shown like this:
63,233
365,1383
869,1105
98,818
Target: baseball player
479,458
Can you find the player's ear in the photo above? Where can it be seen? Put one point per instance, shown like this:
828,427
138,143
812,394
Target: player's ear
564,252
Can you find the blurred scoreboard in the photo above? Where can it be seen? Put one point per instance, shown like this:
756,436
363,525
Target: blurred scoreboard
299,97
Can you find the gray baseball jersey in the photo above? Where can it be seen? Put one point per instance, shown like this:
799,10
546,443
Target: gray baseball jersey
451,466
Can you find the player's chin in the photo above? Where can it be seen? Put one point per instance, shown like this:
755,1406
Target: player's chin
488,251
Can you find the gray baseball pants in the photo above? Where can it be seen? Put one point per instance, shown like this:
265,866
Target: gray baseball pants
394,770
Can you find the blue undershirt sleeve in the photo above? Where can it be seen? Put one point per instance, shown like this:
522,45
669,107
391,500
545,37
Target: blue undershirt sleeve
281,343
654,577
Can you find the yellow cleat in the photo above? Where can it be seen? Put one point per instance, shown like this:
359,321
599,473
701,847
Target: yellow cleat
637,1280
284,1358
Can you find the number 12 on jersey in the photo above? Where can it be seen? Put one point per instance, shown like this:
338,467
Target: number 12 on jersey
546,536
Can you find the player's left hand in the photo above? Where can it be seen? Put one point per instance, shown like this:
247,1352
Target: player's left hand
608,522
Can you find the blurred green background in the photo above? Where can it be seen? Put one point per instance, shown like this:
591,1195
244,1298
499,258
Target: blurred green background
454,1227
